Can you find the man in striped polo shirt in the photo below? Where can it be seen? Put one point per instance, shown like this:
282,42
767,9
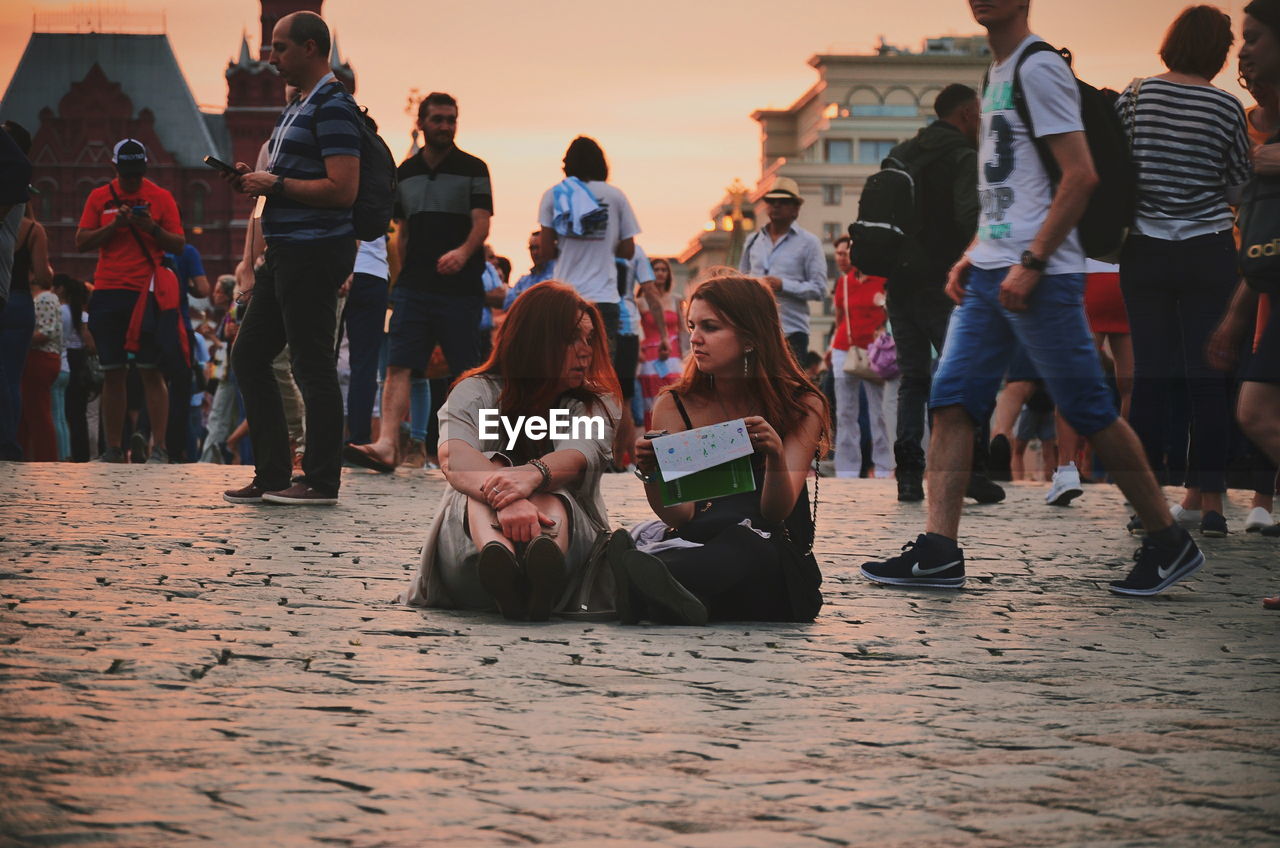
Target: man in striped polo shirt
309,185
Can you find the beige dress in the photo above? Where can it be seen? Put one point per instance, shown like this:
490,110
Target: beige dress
447,575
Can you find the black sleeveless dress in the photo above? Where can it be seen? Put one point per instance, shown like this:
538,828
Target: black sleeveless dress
738,573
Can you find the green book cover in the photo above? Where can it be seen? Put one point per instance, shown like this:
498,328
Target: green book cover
727,478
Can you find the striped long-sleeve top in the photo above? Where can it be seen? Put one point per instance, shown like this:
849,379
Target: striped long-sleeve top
1191,149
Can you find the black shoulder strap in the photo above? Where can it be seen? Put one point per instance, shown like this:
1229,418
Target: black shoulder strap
1024,112
136,236
680,407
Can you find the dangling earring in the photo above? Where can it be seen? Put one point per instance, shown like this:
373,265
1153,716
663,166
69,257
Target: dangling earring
746,364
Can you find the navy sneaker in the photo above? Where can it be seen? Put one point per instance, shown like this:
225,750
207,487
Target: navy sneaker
924,562
1213,525
1157,568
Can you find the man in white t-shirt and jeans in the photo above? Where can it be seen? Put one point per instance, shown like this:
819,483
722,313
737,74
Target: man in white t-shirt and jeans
586,259
1023,282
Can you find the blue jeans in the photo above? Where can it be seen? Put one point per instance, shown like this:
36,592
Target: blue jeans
17,323
363,319
1053,331
1176,292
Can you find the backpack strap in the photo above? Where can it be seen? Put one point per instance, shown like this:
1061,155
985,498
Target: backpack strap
1024,112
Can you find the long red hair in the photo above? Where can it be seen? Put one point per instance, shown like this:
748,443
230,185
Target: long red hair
747,305
529,353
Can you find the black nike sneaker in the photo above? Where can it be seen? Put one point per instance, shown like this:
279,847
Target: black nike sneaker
1157,568
924,562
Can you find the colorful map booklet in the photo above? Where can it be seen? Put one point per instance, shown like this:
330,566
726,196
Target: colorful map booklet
705,463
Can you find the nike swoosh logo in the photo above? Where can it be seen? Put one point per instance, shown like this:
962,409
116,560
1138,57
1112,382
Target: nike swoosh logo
1165,572
917,571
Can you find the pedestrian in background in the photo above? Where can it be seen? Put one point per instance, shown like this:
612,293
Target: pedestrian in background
1190,149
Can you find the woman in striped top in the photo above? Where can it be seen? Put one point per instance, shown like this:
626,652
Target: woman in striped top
1177,272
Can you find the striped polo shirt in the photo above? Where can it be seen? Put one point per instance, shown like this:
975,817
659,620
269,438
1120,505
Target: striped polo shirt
1190,146
308,131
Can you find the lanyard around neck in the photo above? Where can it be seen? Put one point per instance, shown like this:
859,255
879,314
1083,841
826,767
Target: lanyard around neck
291,118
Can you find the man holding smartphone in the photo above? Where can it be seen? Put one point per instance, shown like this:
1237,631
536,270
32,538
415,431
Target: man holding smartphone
309,185
132,223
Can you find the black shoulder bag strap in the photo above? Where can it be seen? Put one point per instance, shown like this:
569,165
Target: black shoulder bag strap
136,235
1024,112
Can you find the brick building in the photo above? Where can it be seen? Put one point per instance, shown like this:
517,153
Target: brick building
78,93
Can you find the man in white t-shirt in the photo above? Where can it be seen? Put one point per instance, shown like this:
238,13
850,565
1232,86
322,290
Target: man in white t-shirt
587,253
1022,282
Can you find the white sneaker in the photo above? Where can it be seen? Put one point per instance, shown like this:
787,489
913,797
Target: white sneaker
1185,517
1065,487
1258,519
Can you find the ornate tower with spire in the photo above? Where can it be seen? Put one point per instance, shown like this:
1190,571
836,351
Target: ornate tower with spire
255,92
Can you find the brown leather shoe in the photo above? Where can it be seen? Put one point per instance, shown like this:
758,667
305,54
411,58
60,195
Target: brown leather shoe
544,568
501,577
415,455
300,494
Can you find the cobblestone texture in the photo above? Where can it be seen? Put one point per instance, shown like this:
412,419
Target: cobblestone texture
175,670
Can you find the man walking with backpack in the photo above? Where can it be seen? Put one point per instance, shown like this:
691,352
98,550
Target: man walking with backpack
1023,280
944,162
309,187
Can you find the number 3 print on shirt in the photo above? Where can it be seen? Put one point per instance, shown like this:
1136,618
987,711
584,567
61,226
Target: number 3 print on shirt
999,170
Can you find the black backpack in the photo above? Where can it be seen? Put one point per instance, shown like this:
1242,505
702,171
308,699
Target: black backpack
888,215
376,198
1107,219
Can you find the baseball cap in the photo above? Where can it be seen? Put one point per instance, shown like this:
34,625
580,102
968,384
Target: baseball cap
130,157
784,188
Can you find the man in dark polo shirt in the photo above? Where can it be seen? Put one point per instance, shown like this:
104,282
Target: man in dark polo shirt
310,182
443,205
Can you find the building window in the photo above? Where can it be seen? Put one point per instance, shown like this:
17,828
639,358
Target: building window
839,151
195,215
832,194
872,151
883,110
45,204
832,230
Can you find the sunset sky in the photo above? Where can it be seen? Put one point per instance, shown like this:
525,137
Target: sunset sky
667,87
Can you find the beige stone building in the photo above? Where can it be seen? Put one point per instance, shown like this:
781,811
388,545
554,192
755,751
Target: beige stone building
835,136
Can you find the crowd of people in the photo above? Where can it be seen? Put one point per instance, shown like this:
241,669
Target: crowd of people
998,326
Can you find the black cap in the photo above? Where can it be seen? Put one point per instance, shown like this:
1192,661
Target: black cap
130,157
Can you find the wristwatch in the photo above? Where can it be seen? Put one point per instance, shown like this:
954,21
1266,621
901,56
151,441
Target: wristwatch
277,188
1032,262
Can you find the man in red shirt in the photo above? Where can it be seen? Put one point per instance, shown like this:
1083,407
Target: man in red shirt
131,222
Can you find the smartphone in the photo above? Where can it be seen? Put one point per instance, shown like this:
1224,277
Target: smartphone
141,208
214,162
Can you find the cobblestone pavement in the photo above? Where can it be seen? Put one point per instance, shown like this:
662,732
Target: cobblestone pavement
176,671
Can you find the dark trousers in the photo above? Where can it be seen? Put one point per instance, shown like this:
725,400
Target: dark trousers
17,323
1175,293
611,317
363,321
799,344
77,405
295,302
737,576
919,313
177,428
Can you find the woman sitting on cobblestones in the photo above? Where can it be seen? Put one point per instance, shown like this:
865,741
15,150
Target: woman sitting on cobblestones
744,557
524,439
